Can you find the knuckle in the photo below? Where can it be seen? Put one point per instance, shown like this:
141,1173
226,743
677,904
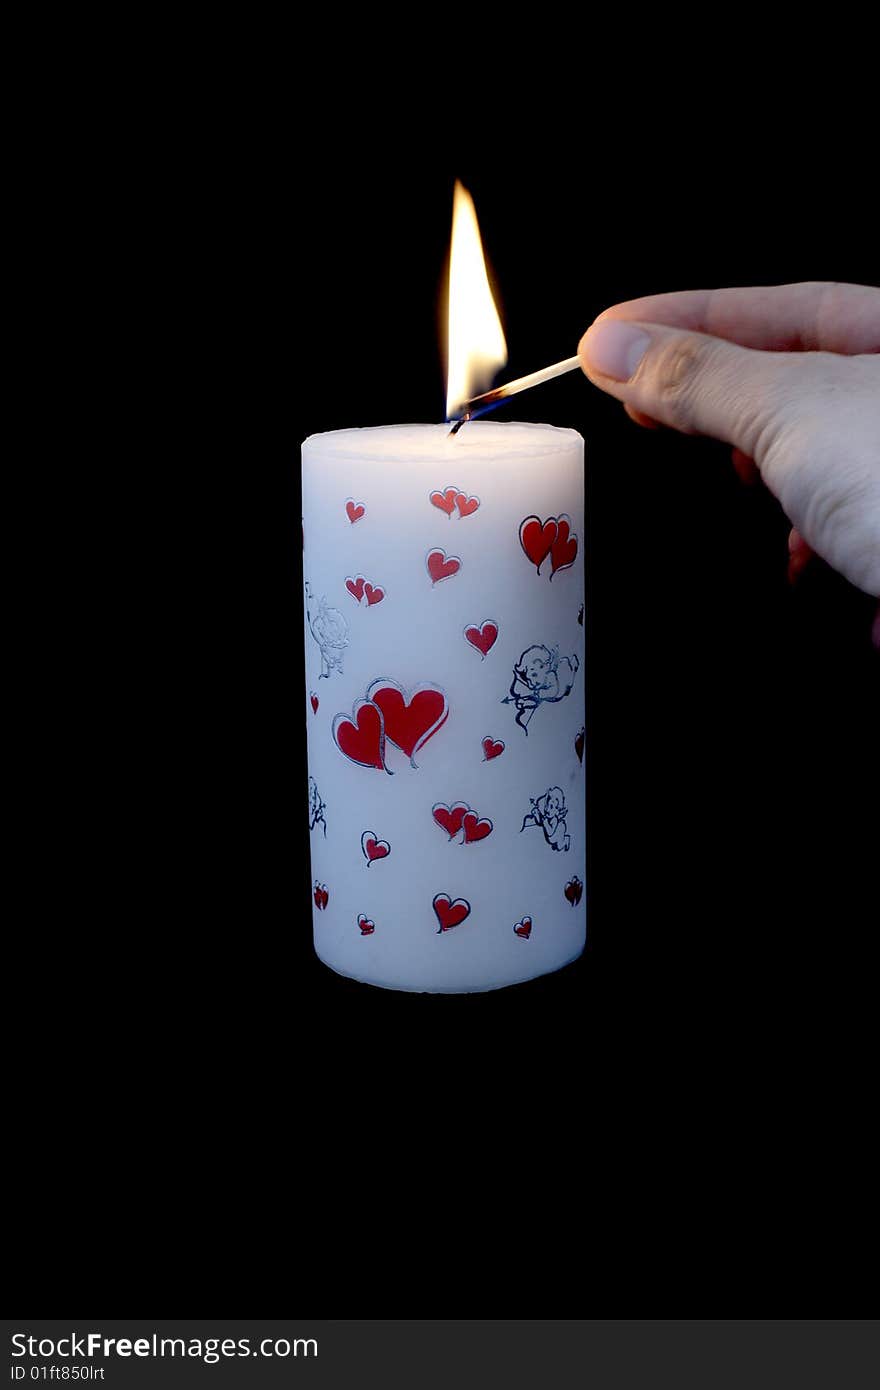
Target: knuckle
677,368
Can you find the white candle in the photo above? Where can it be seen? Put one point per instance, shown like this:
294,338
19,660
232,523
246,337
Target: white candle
445,702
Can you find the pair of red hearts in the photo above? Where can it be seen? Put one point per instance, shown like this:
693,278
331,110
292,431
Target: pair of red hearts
450,912
524,928
322,897
492,748
373,847
361,589
450,498
458,817
367,927
483,637
573,890
354,510
389,713
552,537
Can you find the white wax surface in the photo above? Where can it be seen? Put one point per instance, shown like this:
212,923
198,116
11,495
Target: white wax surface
414,636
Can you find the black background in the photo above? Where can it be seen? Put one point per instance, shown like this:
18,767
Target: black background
672,1096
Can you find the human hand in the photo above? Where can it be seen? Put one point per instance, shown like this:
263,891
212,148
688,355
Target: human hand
789,375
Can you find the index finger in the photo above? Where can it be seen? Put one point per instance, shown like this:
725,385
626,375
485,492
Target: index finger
808,317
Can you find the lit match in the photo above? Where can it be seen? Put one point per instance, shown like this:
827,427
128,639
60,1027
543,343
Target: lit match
479,404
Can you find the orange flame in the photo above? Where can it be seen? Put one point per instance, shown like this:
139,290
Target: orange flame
477,350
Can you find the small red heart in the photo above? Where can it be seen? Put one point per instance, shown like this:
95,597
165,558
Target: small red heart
440,566
476,828
579,745
314,702
450,818
322,897
356,587
565,547
374,848
466,505
373,594
355,510
409,721
483,637
492,748
537,538
450,914
362,738
524,928
367,927
573,890
445,500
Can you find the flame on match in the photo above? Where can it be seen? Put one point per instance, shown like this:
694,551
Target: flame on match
476,346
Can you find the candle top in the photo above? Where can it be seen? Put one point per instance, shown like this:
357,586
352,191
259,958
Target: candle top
477,438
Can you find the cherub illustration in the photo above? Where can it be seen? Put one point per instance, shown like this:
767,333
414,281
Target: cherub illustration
549,812
540,677
330,631
316,807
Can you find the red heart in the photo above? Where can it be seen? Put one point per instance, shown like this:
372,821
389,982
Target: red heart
450,818
314,699
440,566
573,890
362,738
537,538
322,897
355,510
579,745
483,637
373,595
466,505
409,721
367,927
524,928
356,587
450,914
445,500
492,748
373,848
565,547
475,828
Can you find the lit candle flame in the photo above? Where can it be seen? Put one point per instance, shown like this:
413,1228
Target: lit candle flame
477,349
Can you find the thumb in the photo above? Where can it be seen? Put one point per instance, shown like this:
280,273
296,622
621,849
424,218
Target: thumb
689,381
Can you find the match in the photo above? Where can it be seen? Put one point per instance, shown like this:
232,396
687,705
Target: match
479,404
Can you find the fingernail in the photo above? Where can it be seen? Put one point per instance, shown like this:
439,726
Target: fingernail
613,348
